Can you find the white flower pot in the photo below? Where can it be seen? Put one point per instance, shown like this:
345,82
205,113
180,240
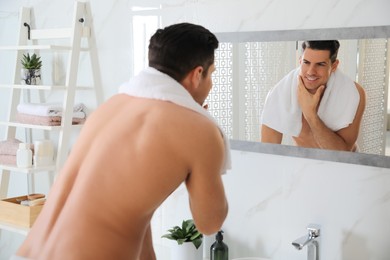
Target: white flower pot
186,251
30,76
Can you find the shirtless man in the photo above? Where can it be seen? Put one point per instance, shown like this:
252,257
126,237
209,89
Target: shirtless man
132,153
317,63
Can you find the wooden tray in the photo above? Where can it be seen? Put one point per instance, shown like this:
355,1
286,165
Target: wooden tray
12,212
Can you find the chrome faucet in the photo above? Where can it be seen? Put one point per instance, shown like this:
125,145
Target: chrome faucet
311,240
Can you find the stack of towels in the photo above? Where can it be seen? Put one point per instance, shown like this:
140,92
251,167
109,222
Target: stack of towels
8,149
48,113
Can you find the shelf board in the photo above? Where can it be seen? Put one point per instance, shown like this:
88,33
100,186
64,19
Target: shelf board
29,170
35,47
39,87
85,88
43,87
42,127
14,228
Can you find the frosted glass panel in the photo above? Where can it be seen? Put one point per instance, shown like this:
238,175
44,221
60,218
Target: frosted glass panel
245,72
372,76
221,95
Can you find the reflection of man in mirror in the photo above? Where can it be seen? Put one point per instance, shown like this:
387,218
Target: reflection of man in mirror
316,104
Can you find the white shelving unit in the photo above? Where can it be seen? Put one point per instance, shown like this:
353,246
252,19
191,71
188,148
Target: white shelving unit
29,41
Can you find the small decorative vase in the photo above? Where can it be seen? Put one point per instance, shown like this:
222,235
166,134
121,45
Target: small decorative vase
187,251
31,76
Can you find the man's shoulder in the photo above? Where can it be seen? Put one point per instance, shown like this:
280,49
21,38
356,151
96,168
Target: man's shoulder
361,91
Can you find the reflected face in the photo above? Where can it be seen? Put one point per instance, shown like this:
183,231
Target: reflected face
316,68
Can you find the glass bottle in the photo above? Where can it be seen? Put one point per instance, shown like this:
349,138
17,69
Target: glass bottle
219,250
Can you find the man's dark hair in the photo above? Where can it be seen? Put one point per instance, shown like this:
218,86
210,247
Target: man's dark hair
179,48
332,46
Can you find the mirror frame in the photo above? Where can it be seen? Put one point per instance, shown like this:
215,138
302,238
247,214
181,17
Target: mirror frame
369,32
345,33
312,153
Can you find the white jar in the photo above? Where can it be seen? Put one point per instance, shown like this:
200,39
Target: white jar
43,153
24,156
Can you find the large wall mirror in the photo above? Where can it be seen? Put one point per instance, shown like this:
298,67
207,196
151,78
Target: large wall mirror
249,64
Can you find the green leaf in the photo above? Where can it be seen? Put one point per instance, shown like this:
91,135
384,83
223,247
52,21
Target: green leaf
181,241
169,236
31,62
186,233
197,242
196,235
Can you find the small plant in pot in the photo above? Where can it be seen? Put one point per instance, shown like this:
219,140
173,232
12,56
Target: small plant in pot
186,233
31,71
187,236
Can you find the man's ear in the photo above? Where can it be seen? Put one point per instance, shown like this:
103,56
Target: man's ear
193,78
335,65
197,76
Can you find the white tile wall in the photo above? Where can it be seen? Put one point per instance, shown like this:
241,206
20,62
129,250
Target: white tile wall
273,198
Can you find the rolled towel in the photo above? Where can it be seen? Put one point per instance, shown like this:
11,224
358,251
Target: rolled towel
50,109
80,107
40,109
38,120
47,120
9,147
8,159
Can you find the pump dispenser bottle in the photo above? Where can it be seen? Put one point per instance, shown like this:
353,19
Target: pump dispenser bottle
219,250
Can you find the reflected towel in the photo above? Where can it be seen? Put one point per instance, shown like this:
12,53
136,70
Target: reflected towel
337,108
50,109
153,84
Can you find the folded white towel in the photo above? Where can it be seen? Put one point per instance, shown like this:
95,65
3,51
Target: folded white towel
337,108
50,109
151,83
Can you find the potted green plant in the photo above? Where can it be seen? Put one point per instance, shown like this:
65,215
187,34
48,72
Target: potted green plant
189,240
31,69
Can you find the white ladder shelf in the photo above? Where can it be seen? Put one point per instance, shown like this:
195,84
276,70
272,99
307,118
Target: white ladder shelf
28,40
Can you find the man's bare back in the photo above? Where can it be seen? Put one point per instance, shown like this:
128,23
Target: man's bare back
125,164
133,152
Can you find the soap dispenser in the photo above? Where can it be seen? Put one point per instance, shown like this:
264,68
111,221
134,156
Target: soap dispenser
219,250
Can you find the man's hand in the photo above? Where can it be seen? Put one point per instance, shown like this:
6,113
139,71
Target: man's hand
307,101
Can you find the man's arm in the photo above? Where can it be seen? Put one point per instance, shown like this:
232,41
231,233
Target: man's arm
343,139
147,251
208,202
269,135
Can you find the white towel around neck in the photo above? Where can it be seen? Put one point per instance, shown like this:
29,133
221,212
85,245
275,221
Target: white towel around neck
337,108
153,84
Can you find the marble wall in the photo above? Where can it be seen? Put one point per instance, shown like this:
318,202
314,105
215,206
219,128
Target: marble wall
113,23
286,197
273,198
